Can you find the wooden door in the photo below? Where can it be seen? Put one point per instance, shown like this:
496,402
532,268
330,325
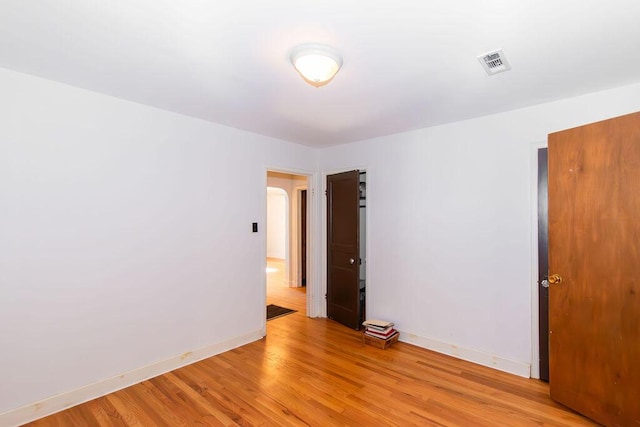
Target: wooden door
594,246
343,289
303,237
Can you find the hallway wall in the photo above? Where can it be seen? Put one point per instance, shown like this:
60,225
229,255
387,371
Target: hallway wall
277,220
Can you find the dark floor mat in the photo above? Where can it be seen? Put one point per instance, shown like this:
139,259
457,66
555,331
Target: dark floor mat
275,311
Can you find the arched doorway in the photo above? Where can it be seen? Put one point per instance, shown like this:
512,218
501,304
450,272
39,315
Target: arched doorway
286,240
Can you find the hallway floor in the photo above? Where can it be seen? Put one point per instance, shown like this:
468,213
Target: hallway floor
279,293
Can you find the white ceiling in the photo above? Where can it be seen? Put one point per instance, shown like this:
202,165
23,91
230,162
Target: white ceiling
408,64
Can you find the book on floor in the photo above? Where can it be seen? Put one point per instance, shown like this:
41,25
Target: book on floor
384,331
377,324
375,334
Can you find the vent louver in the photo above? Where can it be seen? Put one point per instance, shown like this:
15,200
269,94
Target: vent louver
494,62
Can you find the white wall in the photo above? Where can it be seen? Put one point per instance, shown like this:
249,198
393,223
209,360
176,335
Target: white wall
450,242
277,219
125,237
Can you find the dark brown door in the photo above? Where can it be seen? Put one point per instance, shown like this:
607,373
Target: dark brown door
343,291
303,237
594,247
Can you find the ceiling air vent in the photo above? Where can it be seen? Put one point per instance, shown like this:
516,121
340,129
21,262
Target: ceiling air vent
494,62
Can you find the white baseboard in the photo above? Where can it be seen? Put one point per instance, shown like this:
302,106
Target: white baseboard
511,366
48,406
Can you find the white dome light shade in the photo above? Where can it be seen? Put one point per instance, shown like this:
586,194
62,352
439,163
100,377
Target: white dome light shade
317,64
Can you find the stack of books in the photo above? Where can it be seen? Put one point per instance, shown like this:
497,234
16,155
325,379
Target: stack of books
380,329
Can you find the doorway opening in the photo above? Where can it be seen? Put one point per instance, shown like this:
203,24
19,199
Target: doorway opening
286,235
539,262
543,265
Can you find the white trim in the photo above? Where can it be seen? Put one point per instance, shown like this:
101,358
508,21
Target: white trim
263,235
287,236
53,404
370,288
535,330
316,288
515,367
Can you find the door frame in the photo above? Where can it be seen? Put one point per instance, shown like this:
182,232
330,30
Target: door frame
322,300
535,330
314,287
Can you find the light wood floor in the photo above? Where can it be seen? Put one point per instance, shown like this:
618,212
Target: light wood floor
316,372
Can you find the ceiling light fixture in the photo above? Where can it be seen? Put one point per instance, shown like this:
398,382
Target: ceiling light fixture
317,64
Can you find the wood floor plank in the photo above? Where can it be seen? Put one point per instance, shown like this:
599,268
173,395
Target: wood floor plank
129,411
206,408
104,412
315,372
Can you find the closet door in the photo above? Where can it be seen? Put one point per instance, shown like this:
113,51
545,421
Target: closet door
343,248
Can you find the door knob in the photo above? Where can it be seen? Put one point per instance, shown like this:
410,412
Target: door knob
555,279
352,261
545,283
